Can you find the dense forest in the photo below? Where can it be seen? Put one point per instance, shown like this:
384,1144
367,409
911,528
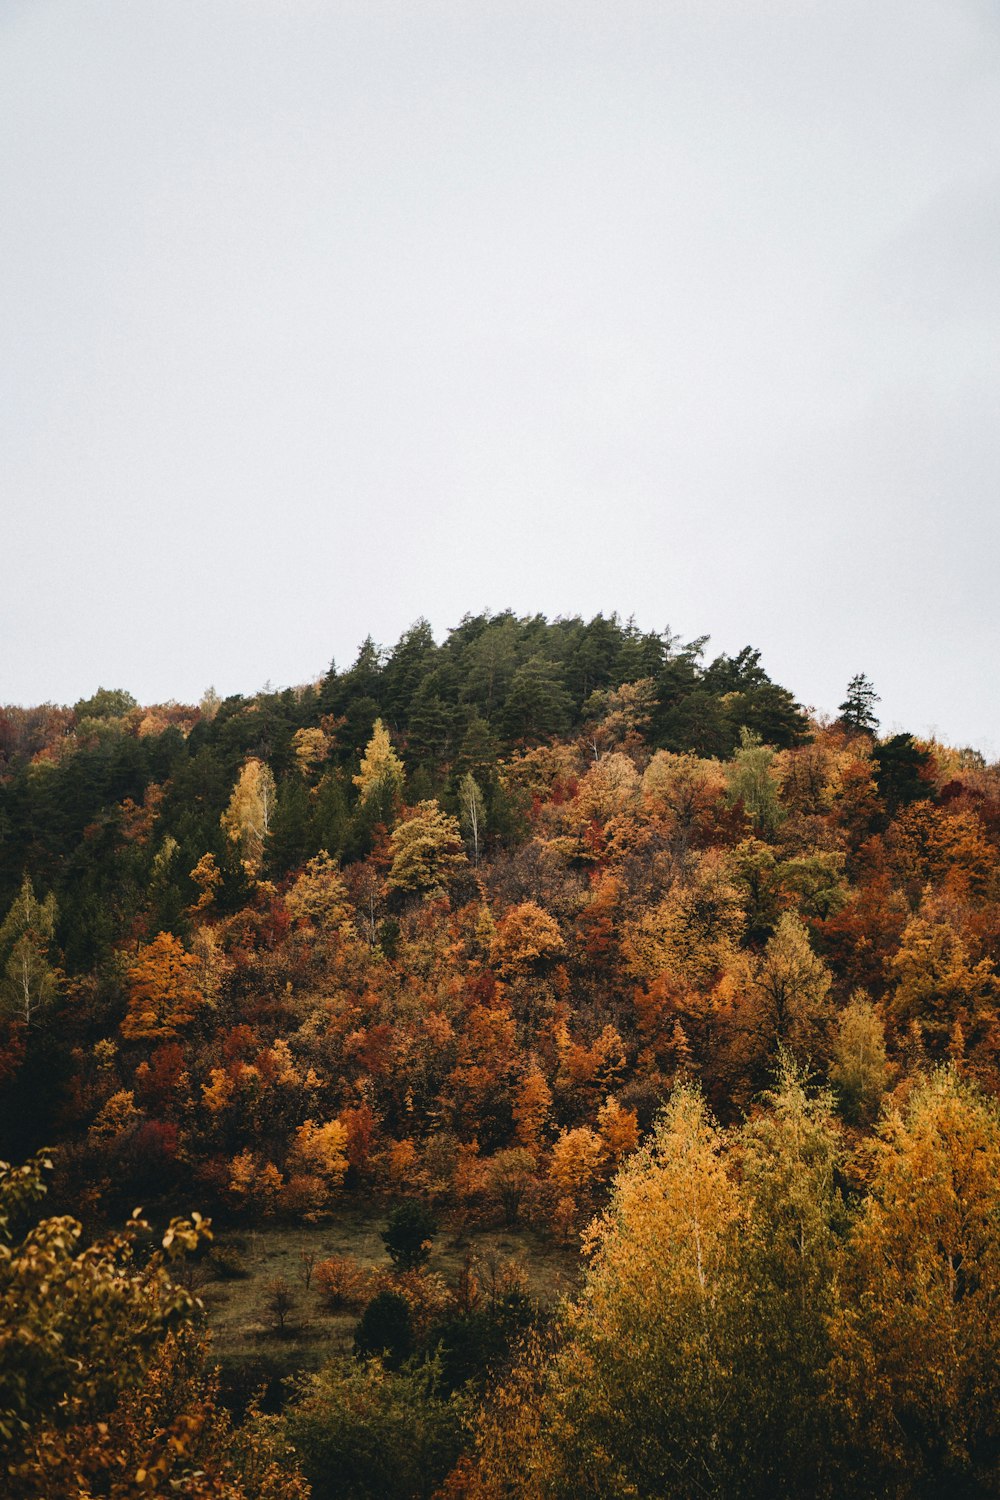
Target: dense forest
555,926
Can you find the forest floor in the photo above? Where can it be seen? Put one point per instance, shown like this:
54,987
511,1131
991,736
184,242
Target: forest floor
246,1339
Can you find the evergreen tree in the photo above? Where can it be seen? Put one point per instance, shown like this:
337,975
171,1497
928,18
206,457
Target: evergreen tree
857,712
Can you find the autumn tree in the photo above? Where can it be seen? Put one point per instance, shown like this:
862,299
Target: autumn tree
938,987
29,979
633,1402
247,820
472,812
916,1369
754,785
104,1386
426,851
380,778
859,1069
164,995
788,998
311,747
319,898
526,936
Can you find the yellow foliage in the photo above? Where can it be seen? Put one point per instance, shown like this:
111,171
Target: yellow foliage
427,851
577,1159
117,1114
693,933
246,821
311,747
610,787
532,1108
525,935
619,1129
380,777
321,1148
218,1093
319,898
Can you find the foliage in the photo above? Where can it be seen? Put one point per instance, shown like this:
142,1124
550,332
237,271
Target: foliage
163,993
363,1432
103,1385
247,819
408,1234
29,980
426,850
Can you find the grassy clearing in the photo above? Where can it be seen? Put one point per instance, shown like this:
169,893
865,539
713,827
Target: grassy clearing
245,1337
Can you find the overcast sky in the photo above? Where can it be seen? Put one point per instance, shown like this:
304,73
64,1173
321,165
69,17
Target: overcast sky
318,317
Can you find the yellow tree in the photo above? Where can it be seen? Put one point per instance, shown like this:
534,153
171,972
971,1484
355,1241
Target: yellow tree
247,819
525,937
28,978
939,987
311,747
426,851
788,1001
104,1388
916,1374
633,1402
319,899
859,1068
380,777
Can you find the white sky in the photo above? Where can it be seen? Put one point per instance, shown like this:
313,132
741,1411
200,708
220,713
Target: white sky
317,317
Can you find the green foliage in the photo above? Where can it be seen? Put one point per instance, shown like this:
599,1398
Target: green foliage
408,1234
857,712
362,1432
753,785
385,1331
107,703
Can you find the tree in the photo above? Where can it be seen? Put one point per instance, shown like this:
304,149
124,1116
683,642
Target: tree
107,703
753,784
407,1236
426,850
320,900
385,1330
938,987
788,1004
471,812
380,778
29,980
247,819
280,1301
164,996
634,1400
859,1069
366,1433
857,712
537,704
526,937
916,1368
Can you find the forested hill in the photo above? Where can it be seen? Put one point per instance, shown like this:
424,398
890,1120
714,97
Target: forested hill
110,806
551,930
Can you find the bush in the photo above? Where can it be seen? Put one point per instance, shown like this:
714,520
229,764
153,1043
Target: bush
343,1283
227,1264
362,1432
408,1235
385,1330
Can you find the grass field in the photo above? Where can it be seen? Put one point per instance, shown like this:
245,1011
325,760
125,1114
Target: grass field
245,1338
